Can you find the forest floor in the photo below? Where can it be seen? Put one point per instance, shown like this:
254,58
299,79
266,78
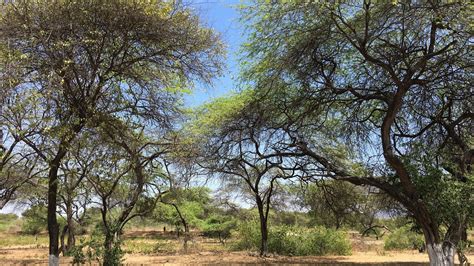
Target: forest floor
151,247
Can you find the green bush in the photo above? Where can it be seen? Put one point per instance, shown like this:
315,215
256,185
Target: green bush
298,241
219,227
248,235
295,241
403,238
34,219
92,249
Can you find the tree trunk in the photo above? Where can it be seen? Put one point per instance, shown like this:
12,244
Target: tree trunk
112,251
108,246
71,238
53,226
69,229
185,225
63,248
187,237
263,229
264,243
441,254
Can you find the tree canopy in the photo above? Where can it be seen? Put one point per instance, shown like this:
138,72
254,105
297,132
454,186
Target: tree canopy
388,81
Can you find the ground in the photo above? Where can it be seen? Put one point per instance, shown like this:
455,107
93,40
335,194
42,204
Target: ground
152,247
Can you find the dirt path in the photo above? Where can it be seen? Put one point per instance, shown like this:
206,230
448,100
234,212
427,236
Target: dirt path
38,256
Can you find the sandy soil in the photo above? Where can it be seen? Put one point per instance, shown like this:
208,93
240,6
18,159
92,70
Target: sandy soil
366,251
37,256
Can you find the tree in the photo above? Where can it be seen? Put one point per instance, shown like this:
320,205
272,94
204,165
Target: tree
18,167
187,207
126,182
337,203
188,203
331,203
75,194
86,61
220,226
389,80
34,219
243,158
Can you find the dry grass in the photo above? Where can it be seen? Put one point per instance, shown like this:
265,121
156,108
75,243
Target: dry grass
153,247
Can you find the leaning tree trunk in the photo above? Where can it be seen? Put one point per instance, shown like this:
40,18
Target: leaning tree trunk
187,236
63,247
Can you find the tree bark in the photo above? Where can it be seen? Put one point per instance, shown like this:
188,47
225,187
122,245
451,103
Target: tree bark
53,226
263,228
441,254
63,247
68,228
71,238
109,243
185,225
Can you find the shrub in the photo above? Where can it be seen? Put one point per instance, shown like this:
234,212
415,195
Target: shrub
34,219
248,234
295,241
403,238
89,249
298,241
219,227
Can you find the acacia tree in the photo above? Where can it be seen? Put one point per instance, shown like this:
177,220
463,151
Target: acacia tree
86,60
331,203
185,198
75,194
245,159
393,82
19,166
126,180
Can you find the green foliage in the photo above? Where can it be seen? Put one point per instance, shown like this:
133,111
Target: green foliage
8,217
191,202
88,250
113,255
332,203
303,242
295,241
247,235
294,218
219,226
403,238
93,249
7,221
445,198
216,114
78,257
34,219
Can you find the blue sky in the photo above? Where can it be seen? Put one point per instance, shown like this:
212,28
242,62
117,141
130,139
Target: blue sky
223,17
